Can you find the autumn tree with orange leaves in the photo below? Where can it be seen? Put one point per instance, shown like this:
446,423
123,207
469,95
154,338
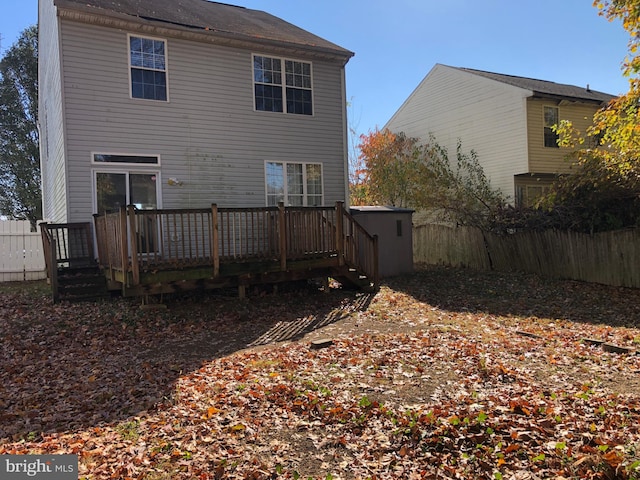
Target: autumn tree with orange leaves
397,170
388,169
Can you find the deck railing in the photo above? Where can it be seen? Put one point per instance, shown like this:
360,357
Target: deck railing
361,249
132,241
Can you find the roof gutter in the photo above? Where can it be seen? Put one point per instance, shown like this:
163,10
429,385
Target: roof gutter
564,98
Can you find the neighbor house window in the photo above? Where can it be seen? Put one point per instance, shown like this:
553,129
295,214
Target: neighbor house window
282,85
148,61
550,119
295,184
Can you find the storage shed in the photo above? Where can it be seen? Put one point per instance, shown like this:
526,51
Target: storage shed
393,226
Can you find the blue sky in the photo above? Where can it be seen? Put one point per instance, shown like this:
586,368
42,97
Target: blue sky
397,42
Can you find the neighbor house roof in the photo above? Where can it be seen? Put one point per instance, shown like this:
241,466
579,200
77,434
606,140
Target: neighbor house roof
222,23
545,88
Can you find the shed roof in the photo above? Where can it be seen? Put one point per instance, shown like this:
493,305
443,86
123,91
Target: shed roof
378,209
545,88
208,18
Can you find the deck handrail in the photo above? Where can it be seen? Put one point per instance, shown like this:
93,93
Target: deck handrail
65,245
360,248
134,241
73,242
49,249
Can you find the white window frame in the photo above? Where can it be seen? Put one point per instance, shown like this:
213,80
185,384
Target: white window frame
283,84
166,66
126,169
305,192
94,186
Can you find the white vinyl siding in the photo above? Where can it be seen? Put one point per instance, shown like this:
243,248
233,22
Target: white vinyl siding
210,138
486,116
51,119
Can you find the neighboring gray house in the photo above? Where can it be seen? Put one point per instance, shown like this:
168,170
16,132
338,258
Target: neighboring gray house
185,103
506,119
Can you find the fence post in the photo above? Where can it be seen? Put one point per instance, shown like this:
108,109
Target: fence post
283,236
215,240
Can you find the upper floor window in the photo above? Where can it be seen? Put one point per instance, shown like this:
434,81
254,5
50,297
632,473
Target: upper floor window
295,184
148,60
551,118
282,85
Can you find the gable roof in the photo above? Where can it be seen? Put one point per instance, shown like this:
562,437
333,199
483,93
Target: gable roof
544,88
222,23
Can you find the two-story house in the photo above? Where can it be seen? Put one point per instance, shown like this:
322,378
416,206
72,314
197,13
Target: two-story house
506,119
189,144
185,103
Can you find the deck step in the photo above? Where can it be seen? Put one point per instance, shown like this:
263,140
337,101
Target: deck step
86,283
350,278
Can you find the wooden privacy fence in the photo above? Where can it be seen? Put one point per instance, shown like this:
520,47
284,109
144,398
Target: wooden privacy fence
21,256
610,258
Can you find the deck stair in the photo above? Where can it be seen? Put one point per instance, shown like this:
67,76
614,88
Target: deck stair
351,278
72,270
82,283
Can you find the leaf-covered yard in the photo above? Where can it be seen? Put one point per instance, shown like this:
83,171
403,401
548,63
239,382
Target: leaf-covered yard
442,374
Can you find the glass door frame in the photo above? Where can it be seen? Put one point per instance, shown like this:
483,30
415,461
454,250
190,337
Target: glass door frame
127,172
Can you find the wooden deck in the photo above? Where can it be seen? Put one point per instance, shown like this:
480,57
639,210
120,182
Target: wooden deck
143,252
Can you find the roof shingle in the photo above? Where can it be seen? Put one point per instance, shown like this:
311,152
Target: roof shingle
209,18
544,87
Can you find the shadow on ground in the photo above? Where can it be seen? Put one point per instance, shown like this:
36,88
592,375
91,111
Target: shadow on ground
73,366
65,367
521,295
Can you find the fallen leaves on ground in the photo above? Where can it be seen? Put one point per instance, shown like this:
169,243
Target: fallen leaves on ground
442,374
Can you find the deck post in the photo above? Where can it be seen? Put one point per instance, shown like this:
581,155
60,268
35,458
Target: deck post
53,278
376,273
124,253
46,247
89,237
283,236
340,232
135,268
215,240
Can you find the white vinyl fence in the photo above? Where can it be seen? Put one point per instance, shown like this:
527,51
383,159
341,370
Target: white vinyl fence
21,256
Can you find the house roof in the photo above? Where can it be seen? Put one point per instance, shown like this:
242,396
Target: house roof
545,88
222,23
